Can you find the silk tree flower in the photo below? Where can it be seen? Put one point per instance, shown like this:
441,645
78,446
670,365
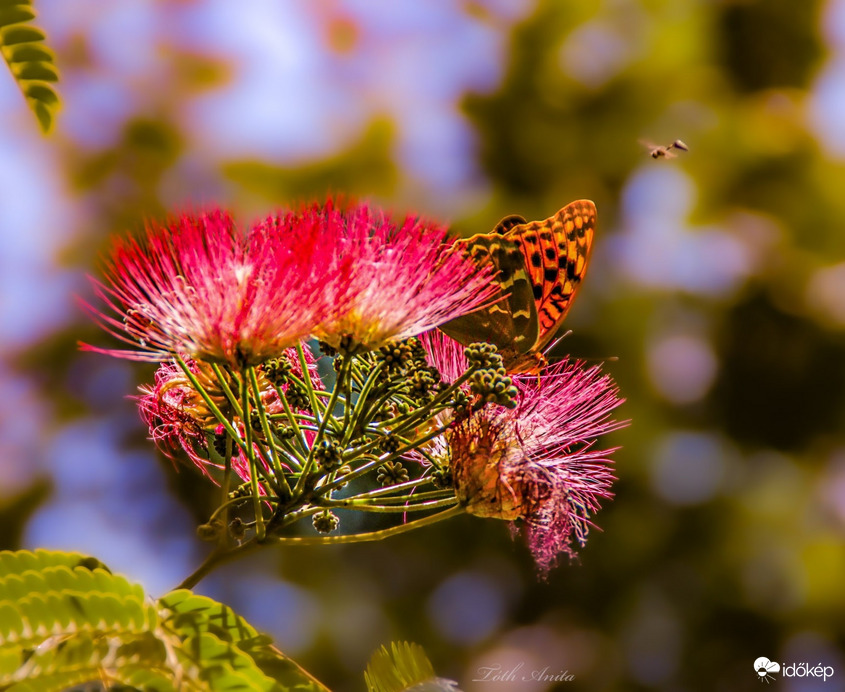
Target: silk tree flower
405,279
445,354
200,287
536,463
178,417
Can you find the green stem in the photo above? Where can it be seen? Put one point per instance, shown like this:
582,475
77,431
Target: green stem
294,424
353,415
221,556
407,485
218,414
351,476
371,535
233,401
413,418
321,430
216,558
253,466
360,506
268,435
306,379
227,390
224,491
349,456
347,406
376,462
224,508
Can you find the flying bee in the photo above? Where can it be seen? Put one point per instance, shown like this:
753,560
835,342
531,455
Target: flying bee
659,152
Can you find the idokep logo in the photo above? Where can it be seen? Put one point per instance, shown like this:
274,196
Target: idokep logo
766,670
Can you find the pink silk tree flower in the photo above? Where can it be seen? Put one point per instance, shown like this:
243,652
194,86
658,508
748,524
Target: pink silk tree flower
176,414
445,354
404,277
199,287
535,463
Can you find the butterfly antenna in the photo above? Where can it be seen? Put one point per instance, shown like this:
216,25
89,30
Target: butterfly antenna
556,342
600,359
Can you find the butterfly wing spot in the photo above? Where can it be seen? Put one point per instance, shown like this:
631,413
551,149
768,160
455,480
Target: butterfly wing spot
514,257
508,223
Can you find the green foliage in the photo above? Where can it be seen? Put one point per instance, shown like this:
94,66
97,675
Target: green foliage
363,168
66,620
404,667
32,64
206,623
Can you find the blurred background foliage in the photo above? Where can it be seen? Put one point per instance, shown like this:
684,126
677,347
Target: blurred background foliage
716,297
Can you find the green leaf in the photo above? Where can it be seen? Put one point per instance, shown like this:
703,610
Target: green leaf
42,71
53,596
57,682
224,666
16,14
21,34
32,65
11,658
11,623
41,93
192,615
66,620
144,679
404,668
19,560
29,52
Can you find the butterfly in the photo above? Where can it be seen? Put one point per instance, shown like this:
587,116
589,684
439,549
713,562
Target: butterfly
541,265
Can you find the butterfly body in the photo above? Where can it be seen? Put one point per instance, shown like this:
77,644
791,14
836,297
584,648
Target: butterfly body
511,322
541,265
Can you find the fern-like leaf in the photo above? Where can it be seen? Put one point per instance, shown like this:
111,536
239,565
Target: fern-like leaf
66,620
190,615
404,668
32,64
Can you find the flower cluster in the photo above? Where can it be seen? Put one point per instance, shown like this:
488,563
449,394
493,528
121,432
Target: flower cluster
202,288
533,463
398,419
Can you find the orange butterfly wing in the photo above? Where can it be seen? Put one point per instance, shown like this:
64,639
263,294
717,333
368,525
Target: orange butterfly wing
556,252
